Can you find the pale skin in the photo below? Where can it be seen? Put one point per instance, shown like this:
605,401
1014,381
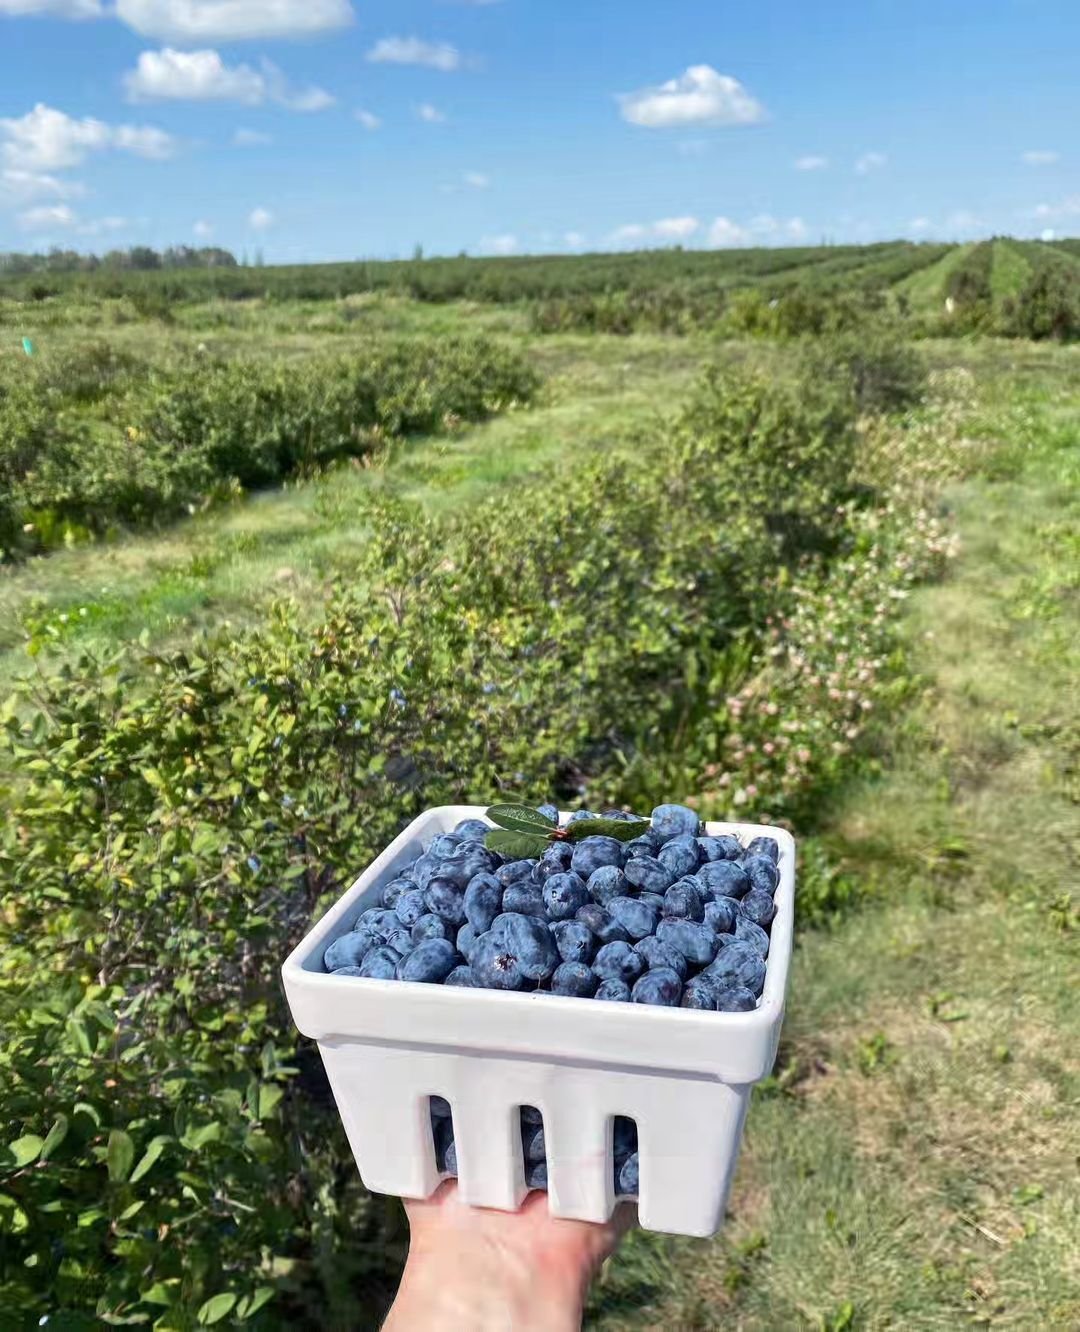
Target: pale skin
488,1271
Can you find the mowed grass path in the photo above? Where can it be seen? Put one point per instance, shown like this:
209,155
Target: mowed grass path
912,1163
223,567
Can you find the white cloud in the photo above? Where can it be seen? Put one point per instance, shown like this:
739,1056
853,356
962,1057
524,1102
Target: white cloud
1040,157
666,229
574,239
197,76
431,115
47,140
202,76
700,96
870,162
1047,234
204,230
18,187
796,229
48,215
476,179
368,119
1069,207
193,21
920,224
811,162
259,219
676,228
249,138
412,51
99,225
504,244
67,9
725,234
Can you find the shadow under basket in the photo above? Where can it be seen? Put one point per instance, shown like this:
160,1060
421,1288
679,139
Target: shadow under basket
683,1076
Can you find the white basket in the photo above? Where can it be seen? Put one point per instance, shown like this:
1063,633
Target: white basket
684,1076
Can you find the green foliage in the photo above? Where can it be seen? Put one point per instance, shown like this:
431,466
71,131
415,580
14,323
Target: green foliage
1049,304
883,371
624,634
158,444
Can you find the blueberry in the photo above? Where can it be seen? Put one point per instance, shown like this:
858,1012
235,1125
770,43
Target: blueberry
618,961
494,967
380,963
530,1115
683,899
615,991
444,1142
556,859
440,1107
723,878
445,899
461,976
549,812
658,954
410,906
670,821
515,871
430,927
765,846
624,1139
532,1139
580,814
536,1176
628,1175
655,900
723,847
467,860
378,921
722,913
738,999
574,940
592,852
700,993
443,845
758,907
645,845
350,950
659,986
423,870
525,899
482,901
529,941
347,971
621,815
737,963
607,882
697,942
391,894
466,939
681,855
648,873
430,962
450,1160
564,894
574,979
638,919
472,830
601,923
400,940
762,873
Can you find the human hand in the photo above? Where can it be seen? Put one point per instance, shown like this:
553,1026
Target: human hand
485,1270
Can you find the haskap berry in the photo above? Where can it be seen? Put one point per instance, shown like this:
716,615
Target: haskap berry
673,917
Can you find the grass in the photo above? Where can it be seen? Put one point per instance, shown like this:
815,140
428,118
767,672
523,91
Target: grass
1009,272
924,288
911,1163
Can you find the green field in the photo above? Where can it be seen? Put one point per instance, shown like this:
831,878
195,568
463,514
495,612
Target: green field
290,554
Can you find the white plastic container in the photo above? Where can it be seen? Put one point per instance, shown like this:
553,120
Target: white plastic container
684,1076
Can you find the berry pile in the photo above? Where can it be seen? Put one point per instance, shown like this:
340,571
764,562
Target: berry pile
661,916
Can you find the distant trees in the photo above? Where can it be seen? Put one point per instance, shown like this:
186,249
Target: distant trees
140,258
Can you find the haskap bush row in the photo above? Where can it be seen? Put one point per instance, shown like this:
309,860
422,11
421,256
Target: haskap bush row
94,441
178,818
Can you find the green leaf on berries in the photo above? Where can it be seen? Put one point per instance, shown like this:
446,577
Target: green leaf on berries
520,818
517,845
621,829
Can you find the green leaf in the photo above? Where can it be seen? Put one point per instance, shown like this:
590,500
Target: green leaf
269,1096
518,845
620,829
153,1151
25,1149
253,1303
159,1293
194,1139
520,818
54,1137
216,1308
120,1154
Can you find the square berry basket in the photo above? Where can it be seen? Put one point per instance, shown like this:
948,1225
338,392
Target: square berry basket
684,1076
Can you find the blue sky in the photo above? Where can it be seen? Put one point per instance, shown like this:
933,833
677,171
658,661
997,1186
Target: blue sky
334,129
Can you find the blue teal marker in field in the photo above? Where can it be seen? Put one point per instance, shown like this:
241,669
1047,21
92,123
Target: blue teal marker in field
28,346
